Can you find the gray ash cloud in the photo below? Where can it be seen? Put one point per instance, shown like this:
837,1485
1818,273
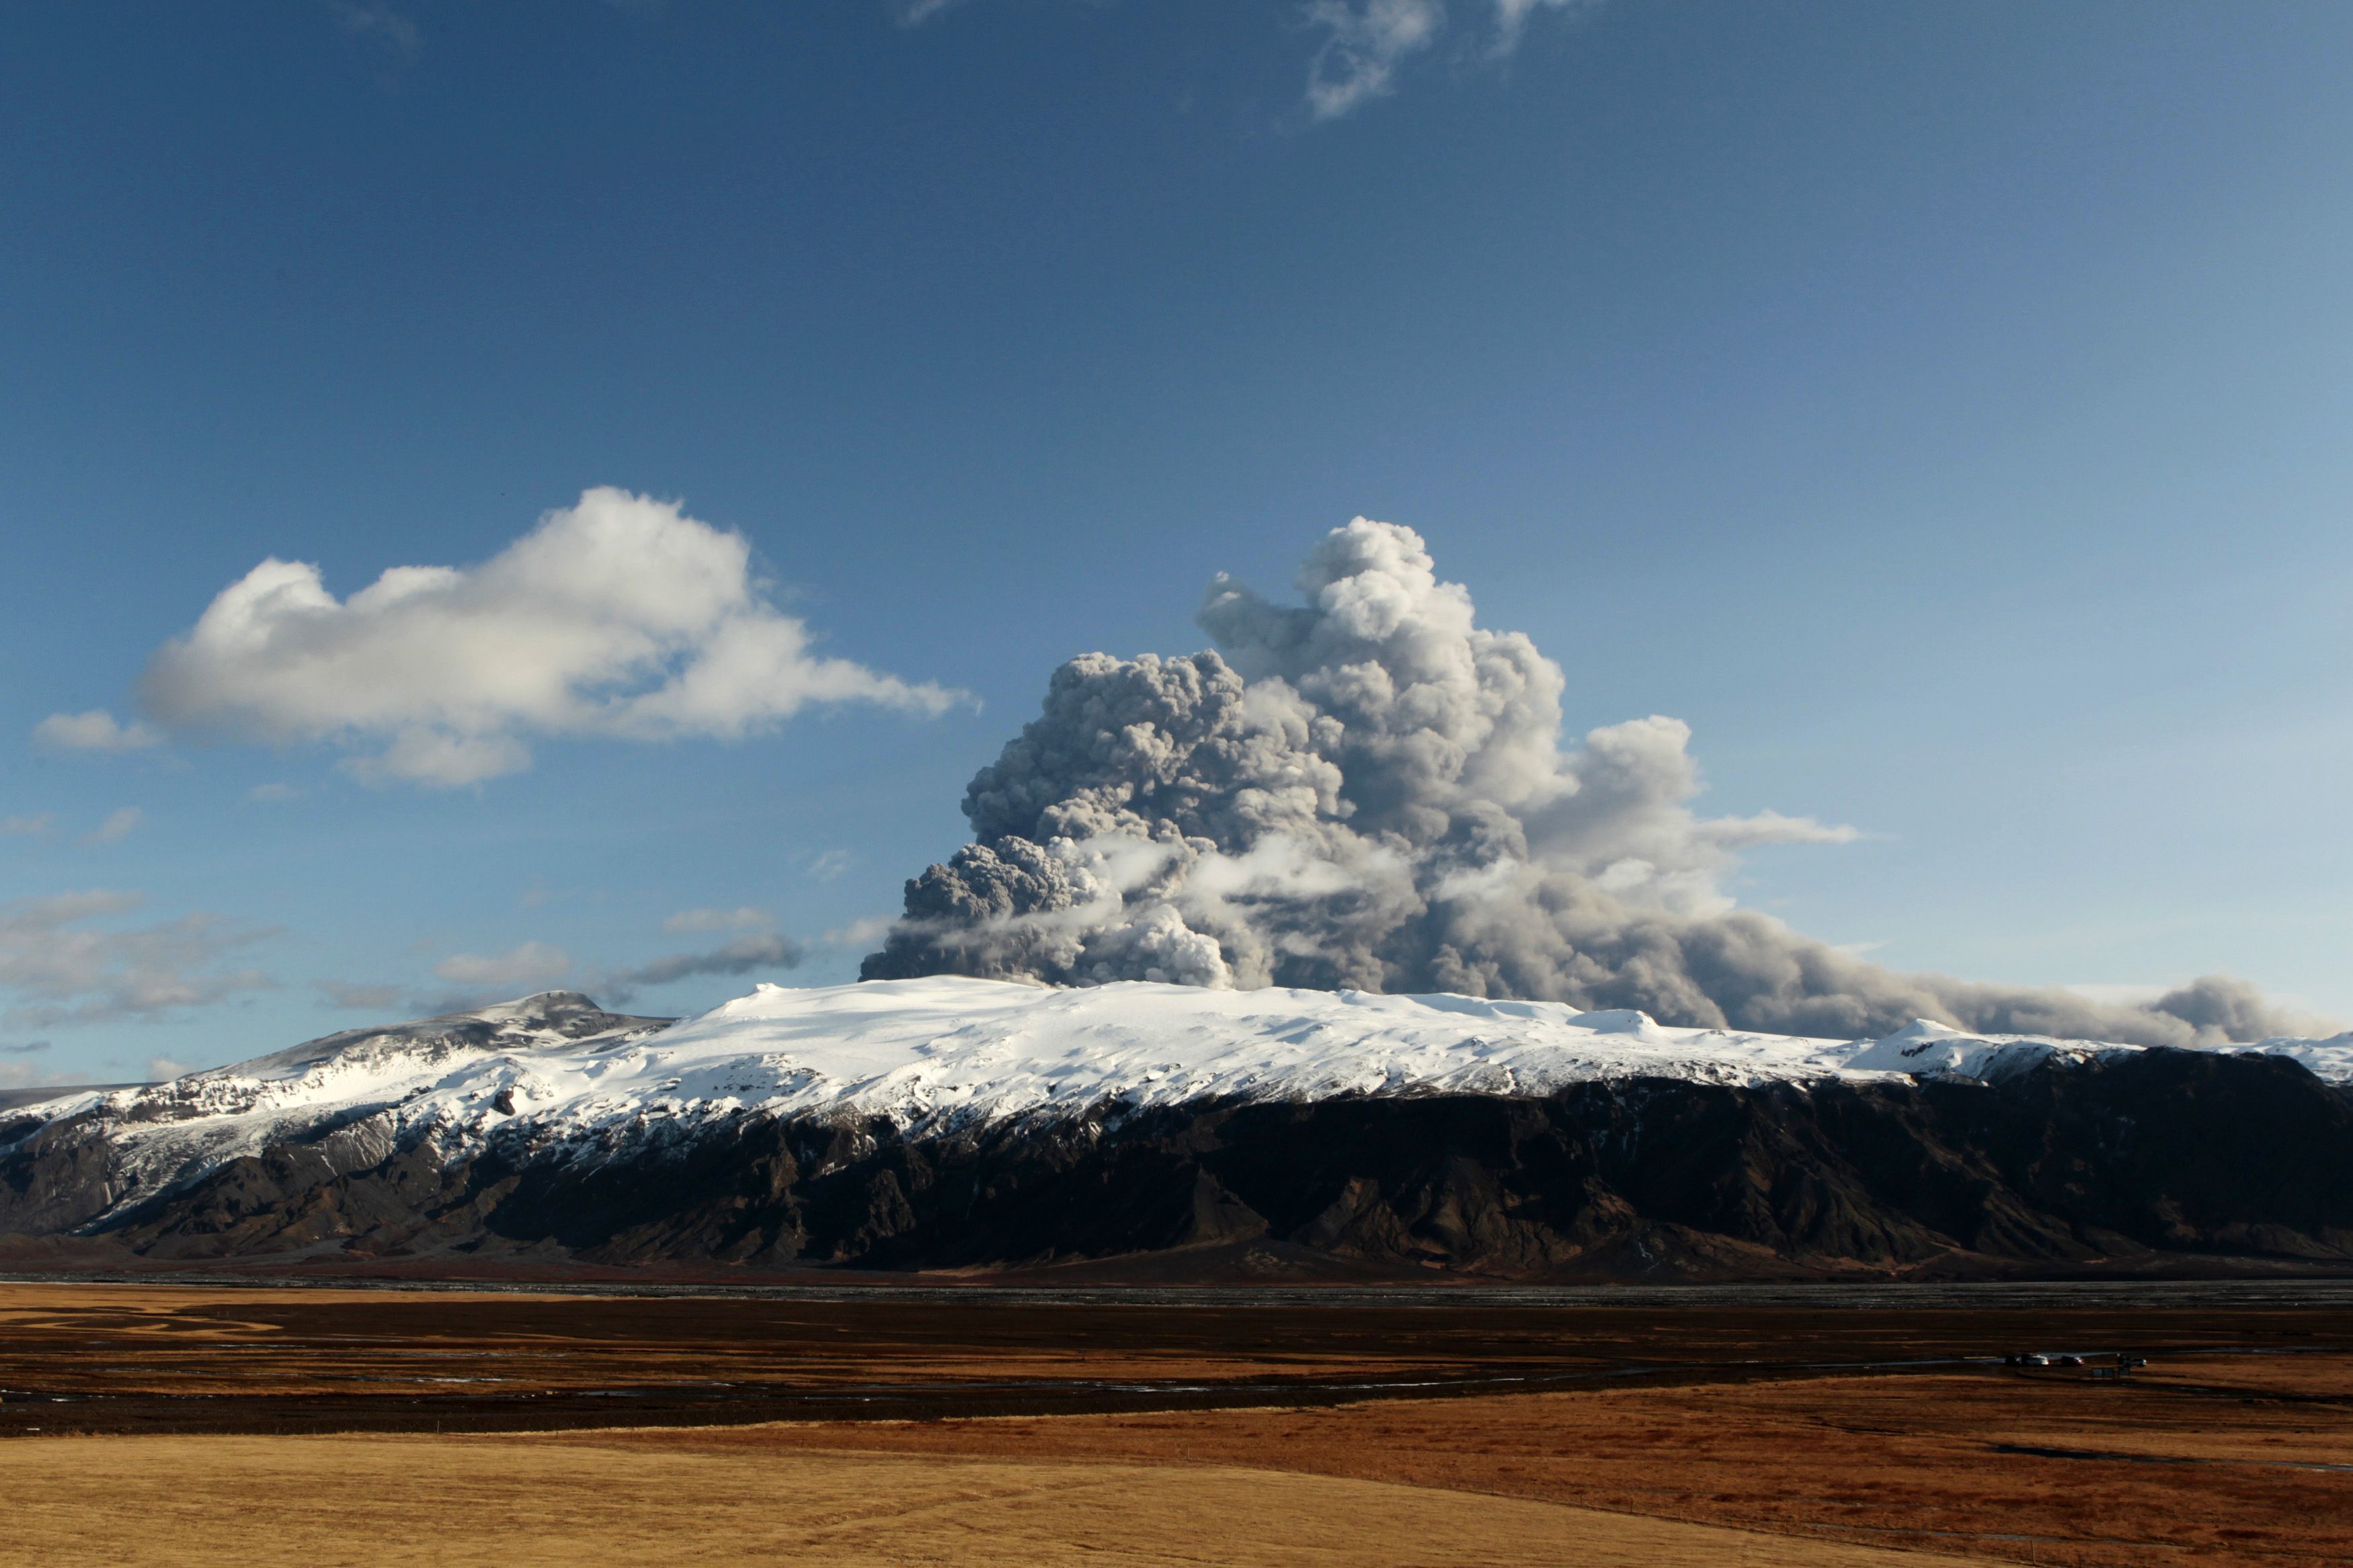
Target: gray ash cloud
1370,791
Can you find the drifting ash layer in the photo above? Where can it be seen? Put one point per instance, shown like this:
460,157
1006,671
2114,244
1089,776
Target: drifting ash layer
956,1123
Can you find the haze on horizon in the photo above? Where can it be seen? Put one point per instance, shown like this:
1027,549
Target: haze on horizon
499,504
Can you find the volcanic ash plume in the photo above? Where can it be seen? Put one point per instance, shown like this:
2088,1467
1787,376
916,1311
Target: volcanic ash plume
1369,792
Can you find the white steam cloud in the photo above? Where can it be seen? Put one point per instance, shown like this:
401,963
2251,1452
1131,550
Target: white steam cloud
619,617
1370,792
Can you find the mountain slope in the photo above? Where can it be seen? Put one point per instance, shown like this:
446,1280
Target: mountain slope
956,1123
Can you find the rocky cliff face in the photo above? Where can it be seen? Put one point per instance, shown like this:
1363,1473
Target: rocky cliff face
2076,1161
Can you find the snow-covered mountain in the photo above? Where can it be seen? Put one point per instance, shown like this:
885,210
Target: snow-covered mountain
553,1083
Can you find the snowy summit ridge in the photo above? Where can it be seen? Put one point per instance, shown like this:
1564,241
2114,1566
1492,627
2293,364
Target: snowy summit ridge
944,1053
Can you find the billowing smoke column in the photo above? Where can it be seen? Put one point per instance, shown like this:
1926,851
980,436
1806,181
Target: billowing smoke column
1370,792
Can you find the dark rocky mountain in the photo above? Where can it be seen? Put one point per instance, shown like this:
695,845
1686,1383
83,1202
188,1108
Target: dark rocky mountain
2142,1162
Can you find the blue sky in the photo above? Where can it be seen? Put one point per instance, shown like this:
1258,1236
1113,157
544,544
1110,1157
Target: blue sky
1943,409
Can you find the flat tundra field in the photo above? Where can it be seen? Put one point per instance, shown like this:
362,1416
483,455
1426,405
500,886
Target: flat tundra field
217,1424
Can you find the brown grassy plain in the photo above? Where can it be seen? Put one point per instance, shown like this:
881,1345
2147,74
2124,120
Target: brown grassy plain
2125,1476
153,1423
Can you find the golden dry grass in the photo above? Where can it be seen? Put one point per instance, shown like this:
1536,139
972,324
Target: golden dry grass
660,1497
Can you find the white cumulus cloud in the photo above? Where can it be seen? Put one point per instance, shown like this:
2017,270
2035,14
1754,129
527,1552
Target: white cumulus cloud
619,617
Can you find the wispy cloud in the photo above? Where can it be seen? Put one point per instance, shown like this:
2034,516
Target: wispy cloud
95,731
65,967
476,980
36,825
915,13
380,24
471,980
745,918
359,997
265,793
119,825
25,1075
832,863
530,963
1512,18
764,950
1365,43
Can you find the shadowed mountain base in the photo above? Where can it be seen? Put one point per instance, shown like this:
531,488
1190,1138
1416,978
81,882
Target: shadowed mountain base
2158,1161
